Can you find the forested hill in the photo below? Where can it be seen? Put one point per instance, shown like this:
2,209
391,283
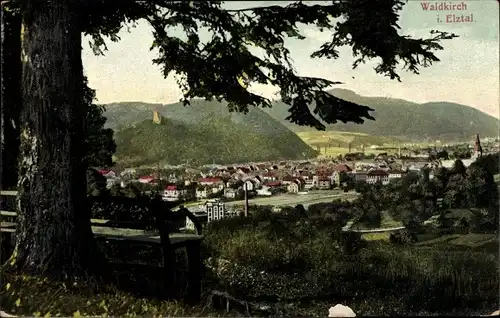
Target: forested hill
203,132
402,118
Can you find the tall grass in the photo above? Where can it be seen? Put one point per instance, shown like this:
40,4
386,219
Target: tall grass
291,260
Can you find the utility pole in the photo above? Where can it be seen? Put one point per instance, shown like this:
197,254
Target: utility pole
246,198
158,179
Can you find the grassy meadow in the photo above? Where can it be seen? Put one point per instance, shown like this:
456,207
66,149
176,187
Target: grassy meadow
386,222
334,143
300,267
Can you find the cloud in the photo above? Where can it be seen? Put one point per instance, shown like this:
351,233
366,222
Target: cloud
315,34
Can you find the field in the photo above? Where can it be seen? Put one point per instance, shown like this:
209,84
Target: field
386,222
334,143
295,199
472,241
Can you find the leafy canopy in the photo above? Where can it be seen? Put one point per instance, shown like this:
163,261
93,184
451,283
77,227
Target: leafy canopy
99,143
224,66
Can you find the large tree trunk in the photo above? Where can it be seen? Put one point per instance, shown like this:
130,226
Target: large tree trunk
54,236
10,103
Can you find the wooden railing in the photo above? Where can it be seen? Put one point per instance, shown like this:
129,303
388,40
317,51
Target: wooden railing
162,218
181,212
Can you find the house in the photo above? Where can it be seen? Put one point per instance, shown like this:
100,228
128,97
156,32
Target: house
305,175
308,184
213,185
215,210
230,193
201,193
264,191
146,179
268,176
293,187
257,181
340,173
324,183
359,176
274,184
261,166
210,181
107,173
128,172
361,165
243,171
417,167
377,175
395,174
173,193
286,180
249,185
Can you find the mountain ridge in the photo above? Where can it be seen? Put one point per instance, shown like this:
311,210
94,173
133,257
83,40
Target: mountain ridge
203,132
406,119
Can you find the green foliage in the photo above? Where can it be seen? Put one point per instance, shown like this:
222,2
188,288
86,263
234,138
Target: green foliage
351,242
31,296
309,263
413,199
99,142
403,237
216,139
96,183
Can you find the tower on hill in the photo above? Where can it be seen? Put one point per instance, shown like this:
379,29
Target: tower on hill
156,117
478,150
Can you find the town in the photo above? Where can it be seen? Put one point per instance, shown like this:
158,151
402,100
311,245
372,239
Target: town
289,182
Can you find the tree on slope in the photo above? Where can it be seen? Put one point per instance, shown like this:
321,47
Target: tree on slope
54,229
99,144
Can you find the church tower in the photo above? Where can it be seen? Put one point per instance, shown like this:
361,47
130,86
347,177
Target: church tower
156,117
478,150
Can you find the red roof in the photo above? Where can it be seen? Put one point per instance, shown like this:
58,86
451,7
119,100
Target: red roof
273,184
146,178
171,187
342,168
210,180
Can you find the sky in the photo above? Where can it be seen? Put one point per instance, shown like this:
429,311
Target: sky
467,74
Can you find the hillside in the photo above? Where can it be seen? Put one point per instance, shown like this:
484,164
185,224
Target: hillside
204,136
408,120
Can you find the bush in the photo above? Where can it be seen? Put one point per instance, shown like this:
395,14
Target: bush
312,260
262,214
403,237
352,242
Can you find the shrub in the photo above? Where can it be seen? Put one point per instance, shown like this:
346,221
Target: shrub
262,214
312,260
351,242
403,237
